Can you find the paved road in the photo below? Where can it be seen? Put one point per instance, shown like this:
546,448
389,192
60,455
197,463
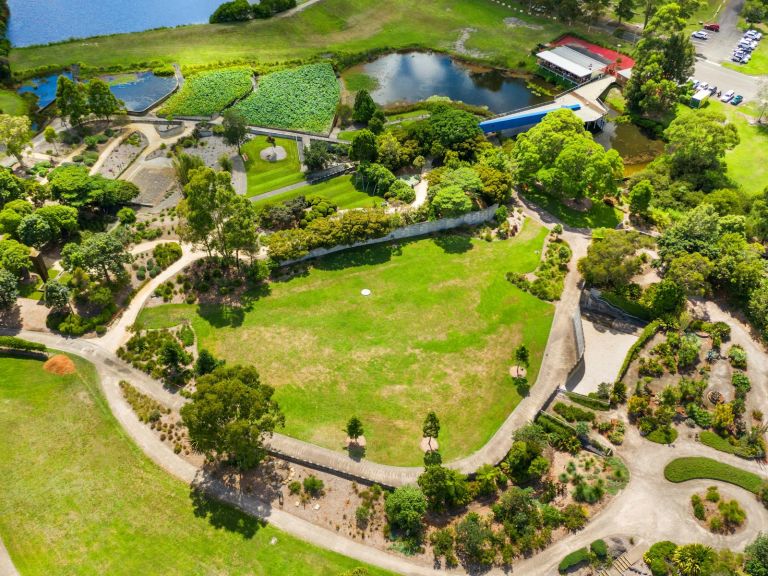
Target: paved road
727,79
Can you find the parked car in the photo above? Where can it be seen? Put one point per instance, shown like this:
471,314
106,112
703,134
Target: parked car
727,96
746,58
712,27
700,34
713,90
736,100
703,86
754,34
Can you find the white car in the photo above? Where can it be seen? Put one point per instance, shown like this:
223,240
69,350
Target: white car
703,86
700,34
754,34
727,96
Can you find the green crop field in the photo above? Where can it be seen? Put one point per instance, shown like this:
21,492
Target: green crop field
303,98
264,175
209,92
79,497
437,333
693,468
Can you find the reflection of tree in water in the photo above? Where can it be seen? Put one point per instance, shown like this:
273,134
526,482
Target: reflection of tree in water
492,80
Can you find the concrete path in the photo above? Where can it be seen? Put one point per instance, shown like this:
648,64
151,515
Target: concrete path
6,564
421,192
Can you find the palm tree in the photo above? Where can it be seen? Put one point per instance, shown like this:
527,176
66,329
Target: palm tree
693,559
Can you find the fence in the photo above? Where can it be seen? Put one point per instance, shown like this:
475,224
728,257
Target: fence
411,231
593,301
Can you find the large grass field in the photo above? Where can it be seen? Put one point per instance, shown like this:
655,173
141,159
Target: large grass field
330,26
263,175
437,333
79,497
339,190
11,103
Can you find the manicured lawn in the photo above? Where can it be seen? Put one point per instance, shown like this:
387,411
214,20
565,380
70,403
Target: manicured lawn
717,442
340,190
599,216
748,162
692,468
662,436
331,26
263,175
437,333
79,497
11,103
347,134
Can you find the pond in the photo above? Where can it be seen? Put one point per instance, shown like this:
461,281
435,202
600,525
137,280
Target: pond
415,76
630,142
141,90
44,21
44,87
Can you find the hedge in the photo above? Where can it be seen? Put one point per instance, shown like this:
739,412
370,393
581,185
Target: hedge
588,401
698,467
552,423
573,559
709,438
20,344
648,332
662,436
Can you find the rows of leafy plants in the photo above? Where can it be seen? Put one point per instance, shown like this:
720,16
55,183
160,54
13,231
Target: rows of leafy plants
303,99
206,93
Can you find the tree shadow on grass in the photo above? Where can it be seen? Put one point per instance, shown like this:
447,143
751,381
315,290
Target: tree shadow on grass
223,516
230,313
366,256
454,243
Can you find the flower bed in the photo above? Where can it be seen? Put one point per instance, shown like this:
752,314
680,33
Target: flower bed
303,99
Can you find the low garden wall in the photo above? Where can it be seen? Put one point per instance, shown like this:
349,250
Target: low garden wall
410,231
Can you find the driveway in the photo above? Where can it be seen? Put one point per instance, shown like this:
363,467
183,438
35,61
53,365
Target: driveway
720,45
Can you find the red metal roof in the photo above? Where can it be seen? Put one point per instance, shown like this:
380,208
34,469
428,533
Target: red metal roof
607,53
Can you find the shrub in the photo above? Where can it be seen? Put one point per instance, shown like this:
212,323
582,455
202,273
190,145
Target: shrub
573,413
294,487
186,335
15,343
574,517
588,401
147,409
313,485
659,557
405,509
166,254
738,357
575,558
698,507
599,548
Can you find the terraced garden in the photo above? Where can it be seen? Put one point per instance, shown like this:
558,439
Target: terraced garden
264,175
207,93
303,99
437,333
79,497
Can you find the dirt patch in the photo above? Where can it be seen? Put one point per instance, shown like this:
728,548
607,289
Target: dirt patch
513,22
60,365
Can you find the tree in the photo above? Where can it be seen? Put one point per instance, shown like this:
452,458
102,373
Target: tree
51,137
183,164
377,121
455,130
697,231
71,100
625,9
235,11
757,556
696,146
62,220
640,198
229,415
33,230
101,101
56,295
14,257
389,151
9,289
522,356
354,428
364,107
363,147
14,135
235,128
691,272
474,540
451,201
431,426
693,559
101,254
11,187
612,261
664,298
443,487
317,156
722,417
74,186
405,509
206,363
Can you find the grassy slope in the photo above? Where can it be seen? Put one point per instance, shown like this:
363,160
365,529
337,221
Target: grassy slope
80,498
329,26
11,103
692,468
437,333
599,216
340,190
263,175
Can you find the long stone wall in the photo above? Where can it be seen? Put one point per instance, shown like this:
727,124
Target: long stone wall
410,231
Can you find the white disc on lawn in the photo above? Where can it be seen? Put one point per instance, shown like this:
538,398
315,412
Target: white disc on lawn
365,292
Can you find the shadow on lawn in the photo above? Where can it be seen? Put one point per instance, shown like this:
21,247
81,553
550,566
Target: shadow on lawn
366,256
223,516
231,312
454,243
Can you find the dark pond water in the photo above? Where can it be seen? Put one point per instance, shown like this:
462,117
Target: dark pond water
416,76
44,87
141,91
630,142
43,21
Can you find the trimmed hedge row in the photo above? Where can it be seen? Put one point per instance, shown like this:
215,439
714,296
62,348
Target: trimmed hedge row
648,332
709,438
588,401
20,344
552,423
698,467
573,559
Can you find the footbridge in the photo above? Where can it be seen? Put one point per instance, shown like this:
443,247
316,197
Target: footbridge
583,100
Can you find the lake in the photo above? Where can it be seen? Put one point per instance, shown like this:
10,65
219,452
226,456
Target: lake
43,21
416,76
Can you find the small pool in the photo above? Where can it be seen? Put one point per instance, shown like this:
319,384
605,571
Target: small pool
44,87
140,91
415,76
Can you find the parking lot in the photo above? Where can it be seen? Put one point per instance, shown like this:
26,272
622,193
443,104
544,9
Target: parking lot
726,79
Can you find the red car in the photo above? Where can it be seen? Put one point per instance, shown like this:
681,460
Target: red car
712,27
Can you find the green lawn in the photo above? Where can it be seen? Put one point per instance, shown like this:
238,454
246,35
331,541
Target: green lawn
331,26
355,81
661,436
599,216
340,190
263,175
437,333
79,497
11,103
693,468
